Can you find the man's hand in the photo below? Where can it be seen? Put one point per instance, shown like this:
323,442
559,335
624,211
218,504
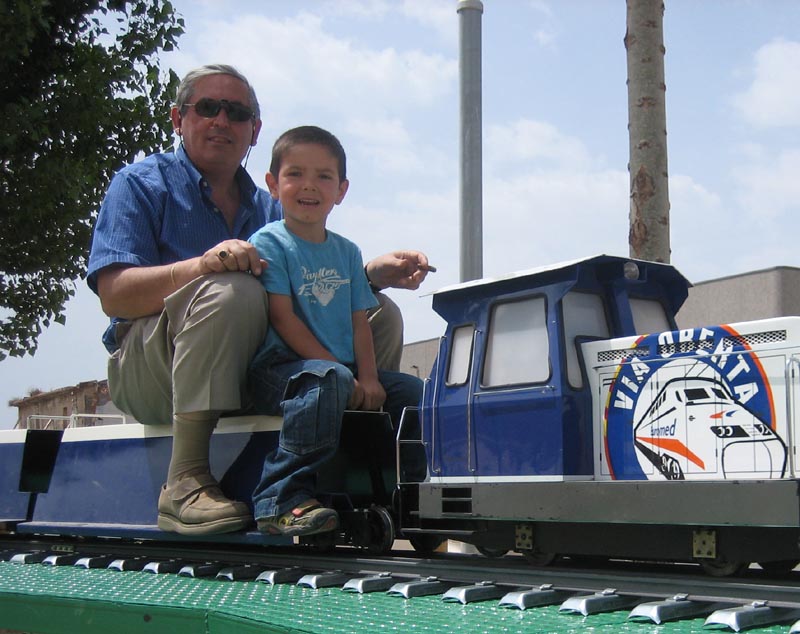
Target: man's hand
399,269
232,255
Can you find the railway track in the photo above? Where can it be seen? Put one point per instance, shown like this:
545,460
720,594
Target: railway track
648,592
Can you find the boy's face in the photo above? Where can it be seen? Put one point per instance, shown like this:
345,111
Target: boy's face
308,185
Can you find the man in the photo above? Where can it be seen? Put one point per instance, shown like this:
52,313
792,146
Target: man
172,267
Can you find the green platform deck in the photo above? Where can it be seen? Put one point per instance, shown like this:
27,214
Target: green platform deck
65,600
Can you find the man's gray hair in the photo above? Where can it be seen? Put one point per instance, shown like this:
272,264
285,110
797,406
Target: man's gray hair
186,87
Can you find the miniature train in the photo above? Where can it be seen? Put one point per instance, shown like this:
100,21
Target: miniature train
549,425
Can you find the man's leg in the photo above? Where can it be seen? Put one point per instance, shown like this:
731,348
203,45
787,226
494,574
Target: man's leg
402,390
190,364
386,323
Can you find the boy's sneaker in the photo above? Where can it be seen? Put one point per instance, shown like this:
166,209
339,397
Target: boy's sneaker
195,506
308,518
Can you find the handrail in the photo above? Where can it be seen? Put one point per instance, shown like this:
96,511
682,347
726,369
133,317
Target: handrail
72,418
791,407
470,401
437,380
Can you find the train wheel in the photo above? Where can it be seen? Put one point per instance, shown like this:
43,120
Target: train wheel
425,544
721,567
783,567
492,553
381,530
536,557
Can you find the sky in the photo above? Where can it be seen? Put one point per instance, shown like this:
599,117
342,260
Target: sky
383,76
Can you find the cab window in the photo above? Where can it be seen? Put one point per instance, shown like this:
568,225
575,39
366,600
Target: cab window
460,355
517,345
649,316
584,316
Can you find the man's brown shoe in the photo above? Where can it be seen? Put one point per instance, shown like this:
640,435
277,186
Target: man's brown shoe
195,506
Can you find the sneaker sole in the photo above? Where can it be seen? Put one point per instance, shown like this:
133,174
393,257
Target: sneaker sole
172,524
330,524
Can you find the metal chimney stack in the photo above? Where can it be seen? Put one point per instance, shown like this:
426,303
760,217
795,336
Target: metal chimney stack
470,148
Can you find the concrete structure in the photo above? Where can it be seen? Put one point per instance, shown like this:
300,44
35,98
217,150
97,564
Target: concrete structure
82,405
773,292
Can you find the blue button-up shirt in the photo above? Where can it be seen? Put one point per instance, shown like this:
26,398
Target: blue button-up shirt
159,211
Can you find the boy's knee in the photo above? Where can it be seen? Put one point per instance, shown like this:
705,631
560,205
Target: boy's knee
342,380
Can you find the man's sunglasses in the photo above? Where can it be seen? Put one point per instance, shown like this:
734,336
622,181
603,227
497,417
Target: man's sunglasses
209,108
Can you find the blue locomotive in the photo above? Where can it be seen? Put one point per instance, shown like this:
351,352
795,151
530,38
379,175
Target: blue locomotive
565,414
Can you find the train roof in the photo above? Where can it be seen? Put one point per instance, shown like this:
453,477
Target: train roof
601,267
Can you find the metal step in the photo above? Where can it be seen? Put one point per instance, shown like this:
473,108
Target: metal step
377,583
756,614
481,591
324,579
419,588
673,609
534,597
281,575
606,601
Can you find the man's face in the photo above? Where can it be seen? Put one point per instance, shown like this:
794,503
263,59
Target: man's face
216,144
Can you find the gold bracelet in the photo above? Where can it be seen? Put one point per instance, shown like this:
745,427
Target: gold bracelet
172,275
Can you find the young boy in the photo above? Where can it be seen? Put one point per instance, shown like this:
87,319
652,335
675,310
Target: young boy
318,358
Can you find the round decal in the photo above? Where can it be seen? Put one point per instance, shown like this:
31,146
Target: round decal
692,404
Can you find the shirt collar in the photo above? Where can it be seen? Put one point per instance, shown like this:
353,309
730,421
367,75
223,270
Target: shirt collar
246,185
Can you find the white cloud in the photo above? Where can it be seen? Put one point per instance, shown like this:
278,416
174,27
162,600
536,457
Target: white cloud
553,215
297,66
526,142
385,144
439,16
547,34
773,98
770,188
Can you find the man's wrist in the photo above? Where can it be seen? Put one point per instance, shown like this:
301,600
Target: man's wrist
372,287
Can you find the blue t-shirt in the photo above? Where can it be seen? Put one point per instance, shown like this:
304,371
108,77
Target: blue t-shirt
159,211
326,282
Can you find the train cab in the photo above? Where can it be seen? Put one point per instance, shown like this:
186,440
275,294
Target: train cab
511,398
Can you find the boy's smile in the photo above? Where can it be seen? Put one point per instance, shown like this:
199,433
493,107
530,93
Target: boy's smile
308,187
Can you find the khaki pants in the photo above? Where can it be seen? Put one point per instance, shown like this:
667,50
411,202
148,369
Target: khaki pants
194,356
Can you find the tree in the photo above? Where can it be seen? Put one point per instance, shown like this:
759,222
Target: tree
648,236
81,94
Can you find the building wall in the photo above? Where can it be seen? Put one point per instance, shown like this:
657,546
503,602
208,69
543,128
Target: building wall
756,295
59,408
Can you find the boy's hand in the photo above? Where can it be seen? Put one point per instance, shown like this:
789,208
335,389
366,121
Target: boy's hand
368,395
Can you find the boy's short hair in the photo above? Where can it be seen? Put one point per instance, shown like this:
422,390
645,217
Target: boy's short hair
307,134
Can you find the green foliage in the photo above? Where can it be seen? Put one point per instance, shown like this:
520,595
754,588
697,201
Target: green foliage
81,94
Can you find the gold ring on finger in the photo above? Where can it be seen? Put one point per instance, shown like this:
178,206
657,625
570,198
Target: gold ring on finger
222,254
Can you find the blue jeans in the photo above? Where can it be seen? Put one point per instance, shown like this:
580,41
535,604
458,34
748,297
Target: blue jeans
312,396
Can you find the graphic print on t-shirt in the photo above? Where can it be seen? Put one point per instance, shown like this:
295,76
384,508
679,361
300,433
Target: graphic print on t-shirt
322,284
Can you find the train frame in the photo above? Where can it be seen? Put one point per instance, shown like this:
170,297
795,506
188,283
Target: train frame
550,425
